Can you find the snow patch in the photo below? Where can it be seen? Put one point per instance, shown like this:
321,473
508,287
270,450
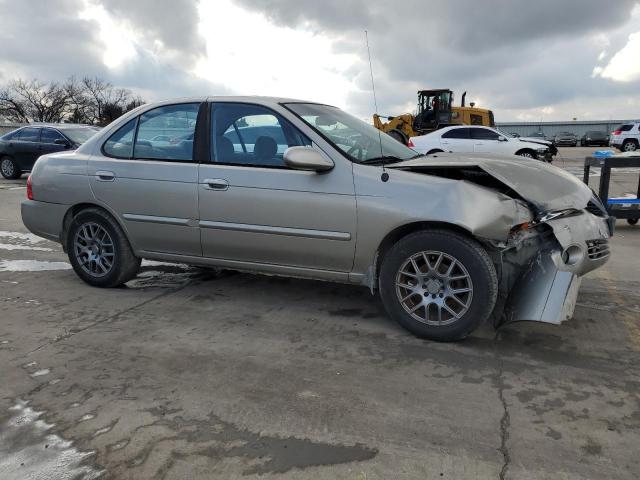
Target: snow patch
9,246
31,451
32,266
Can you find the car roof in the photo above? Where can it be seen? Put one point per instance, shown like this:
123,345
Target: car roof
231,98
59,126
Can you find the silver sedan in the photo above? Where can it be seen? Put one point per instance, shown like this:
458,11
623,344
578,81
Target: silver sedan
294,188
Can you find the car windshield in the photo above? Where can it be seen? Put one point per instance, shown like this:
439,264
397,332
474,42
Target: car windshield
80,135
360,141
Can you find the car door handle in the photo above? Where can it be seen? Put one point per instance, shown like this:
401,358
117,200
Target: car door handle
104,176
215,184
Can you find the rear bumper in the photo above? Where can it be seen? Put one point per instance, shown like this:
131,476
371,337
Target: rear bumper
44,219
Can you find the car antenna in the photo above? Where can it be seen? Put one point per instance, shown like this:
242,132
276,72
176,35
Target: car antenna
385,176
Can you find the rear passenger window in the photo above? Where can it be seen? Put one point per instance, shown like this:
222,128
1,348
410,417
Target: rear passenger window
484,134
457,133
252,135
166,133
30,135
120,144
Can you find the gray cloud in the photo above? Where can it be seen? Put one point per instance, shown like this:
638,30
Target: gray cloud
173,22
512,54
53,43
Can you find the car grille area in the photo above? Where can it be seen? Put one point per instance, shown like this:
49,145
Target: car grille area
597,249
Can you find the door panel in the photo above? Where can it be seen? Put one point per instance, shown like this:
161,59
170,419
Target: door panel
279,216
156,199
27,147
457,140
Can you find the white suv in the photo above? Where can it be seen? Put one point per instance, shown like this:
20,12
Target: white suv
626,137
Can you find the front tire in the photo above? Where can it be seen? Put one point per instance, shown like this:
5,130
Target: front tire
632,221
99,251
438,284
9,168
526,154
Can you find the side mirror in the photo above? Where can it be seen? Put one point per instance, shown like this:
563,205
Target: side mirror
305,158
503,139
62,141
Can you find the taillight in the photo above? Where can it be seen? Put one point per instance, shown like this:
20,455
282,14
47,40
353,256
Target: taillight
29,188
410,144
616,132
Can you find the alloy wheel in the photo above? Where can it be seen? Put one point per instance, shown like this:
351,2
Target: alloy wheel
7,167
434,288
629,147
94,249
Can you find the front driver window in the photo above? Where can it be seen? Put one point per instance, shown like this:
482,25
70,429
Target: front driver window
50,136
244,134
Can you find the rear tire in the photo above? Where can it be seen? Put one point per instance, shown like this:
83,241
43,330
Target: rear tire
399,136
99,251
438,284
9,168
629,146
632,221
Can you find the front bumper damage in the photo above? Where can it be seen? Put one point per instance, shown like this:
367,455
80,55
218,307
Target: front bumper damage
555,255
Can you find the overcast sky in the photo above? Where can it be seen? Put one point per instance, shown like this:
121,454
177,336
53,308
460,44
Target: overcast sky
526,60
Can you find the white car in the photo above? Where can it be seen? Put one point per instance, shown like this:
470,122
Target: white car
473,139
626,137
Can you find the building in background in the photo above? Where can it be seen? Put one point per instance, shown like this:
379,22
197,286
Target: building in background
550,129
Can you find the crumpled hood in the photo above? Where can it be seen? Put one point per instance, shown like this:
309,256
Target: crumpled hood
543,185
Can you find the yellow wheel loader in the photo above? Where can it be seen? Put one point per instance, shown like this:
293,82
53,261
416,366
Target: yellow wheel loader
435,110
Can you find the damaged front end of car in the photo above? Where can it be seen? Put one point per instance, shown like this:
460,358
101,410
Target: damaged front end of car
540,262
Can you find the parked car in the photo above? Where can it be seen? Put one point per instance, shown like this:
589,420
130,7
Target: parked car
441,239
539,135
21,148
595,138
626,137
565,139
470,139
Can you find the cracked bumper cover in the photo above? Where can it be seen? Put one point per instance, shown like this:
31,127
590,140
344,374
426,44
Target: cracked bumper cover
548,288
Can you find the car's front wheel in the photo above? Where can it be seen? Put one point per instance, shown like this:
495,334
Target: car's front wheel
526,153
438,284
9,168
99,251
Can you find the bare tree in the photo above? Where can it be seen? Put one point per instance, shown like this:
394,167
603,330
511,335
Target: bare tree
91,100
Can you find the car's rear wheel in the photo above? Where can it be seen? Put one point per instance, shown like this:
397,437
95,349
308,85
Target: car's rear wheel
9,168
438,284
99,251
629,146
397,135
632,221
